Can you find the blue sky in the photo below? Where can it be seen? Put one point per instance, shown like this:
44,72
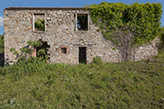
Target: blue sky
62,3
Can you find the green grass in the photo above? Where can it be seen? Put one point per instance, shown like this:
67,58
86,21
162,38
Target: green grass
38,85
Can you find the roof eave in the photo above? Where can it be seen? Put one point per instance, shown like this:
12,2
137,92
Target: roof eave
46,8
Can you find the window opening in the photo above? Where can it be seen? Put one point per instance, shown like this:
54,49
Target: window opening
42,51
64,50
82,22
39,22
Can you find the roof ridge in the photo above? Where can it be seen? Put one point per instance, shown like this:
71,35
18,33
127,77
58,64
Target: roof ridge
47,8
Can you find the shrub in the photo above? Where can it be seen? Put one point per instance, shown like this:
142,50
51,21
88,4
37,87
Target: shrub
113,48
98,30
25,52
39,25
97,60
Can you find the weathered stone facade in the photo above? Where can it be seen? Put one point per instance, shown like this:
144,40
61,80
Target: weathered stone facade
61,32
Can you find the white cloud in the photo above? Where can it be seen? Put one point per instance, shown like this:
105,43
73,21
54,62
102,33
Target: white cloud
1,21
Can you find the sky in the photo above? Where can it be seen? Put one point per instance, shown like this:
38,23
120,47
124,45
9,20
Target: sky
63,3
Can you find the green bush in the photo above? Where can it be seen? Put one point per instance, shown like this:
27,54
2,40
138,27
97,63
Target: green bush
97,60
41,53
113,48
98,30
39,25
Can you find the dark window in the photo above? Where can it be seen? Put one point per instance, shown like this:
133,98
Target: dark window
64,50
82,22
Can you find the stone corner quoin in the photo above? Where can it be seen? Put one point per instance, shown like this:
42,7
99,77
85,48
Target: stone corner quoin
67,44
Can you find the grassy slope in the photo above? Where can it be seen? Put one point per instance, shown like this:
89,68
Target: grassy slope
119,85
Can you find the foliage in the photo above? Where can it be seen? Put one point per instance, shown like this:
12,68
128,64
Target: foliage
14,51
39,25
26,51
1,48
40,85
140,20
127,26
98,30
162,34
35,44
97,60
1,43
113,48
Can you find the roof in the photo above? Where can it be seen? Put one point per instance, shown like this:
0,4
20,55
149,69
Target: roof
46,8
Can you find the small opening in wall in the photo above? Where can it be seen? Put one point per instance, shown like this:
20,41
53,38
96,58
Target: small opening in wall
39,22
82,22
64,50
82,55
42,51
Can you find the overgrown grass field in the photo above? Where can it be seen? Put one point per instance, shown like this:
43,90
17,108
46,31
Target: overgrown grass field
40,85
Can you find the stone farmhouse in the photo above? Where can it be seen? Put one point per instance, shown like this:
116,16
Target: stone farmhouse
66,38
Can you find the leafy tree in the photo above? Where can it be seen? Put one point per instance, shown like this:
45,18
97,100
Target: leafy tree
39,25
127,26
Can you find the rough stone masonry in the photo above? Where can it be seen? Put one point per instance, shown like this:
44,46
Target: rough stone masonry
69,43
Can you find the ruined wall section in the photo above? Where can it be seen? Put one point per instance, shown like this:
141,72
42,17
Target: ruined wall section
61,31
147,51
17,29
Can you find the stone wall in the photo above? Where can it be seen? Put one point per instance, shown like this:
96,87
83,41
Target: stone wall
147,51
61,31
